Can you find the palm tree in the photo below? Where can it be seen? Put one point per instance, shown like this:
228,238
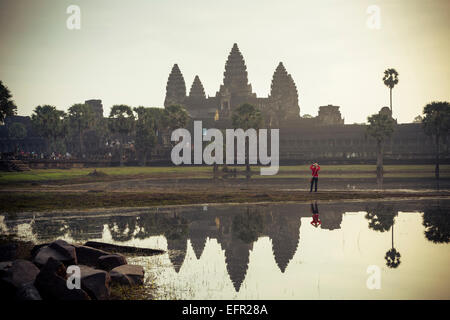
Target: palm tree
49,123
146,129
7,106
176,117
381,128
247,117
121,123
80,118
390,79
436,123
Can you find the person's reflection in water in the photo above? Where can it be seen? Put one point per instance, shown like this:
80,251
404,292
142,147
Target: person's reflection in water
315,215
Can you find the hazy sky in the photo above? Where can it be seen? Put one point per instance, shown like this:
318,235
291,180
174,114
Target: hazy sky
124,51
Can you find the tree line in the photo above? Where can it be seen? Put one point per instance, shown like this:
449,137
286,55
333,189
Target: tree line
125,124
435,123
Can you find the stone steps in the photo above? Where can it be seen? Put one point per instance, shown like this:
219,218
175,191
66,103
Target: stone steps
17,165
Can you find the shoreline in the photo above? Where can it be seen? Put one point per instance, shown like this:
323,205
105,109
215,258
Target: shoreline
150,187
38,201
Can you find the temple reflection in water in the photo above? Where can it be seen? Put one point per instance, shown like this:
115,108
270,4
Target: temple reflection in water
235,227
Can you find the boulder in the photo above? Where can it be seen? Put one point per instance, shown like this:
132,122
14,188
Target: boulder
7,290
36,249
66,250
8,251
95,282
127,274
89,256
4,267
28,292
111,261
22,272
51,283
14,275
47,252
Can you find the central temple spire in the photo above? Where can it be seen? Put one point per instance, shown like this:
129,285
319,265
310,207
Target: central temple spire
281,105
235,75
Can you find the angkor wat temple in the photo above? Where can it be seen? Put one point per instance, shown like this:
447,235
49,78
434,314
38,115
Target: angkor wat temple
282,104
321,138
324,138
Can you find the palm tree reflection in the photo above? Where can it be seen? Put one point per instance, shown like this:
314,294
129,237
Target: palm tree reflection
392,256
437,224
381,218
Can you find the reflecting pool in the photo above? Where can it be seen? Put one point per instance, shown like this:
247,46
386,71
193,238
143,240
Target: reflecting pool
345,250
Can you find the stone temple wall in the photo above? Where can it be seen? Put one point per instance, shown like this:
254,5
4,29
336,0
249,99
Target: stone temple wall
304,141
349,143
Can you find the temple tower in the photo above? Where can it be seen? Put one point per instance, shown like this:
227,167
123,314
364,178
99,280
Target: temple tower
197,234
237,257
235,75
96,107
285,237
197,91
235,89
283,99
177,249
330,115
176,88
196,103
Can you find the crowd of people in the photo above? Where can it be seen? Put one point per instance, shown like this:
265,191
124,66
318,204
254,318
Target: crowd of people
27,155
106,153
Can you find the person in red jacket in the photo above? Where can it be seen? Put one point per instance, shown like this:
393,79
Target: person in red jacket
315,168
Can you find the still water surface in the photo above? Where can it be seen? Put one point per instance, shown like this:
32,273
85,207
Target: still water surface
277,251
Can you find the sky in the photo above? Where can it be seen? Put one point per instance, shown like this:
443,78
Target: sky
124,51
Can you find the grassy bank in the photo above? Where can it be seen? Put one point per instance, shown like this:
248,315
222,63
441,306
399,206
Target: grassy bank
53,189
67,176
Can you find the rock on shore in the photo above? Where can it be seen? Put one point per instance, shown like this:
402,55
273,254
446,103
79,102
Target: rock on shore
45,277
128,275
